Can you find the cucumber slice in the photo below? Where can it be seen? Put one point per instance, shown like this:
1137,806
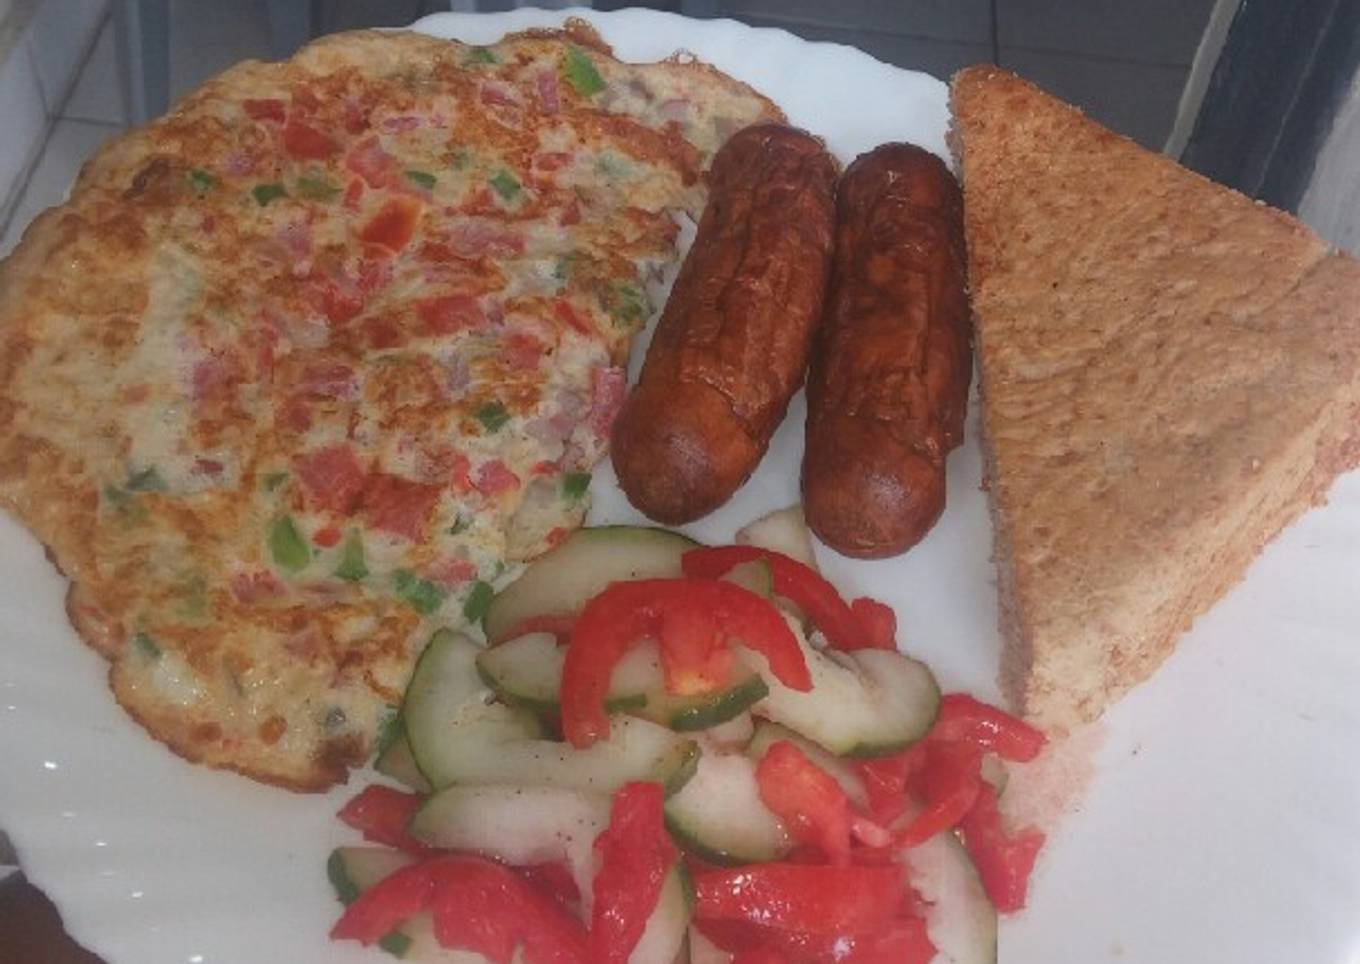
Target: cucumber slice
734,734
449,710
720,817
635,750
867,703
783,531
518,825
667,925
767,734
527,671
399,763
353,870
754,575
562,580
960,920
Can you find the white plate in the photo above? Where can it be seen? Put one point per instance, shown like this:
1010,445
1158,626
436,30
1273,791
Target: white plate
1223,823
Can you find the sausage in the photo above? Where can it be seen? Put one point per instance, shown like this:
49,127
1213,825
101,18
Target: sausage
732,345
888,386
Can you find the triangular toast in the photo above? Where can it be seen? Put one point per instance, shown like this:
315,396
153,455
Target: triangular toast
1170,374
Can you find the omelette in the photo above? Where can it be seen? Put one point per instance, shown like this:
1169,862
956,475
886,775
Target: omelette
306,367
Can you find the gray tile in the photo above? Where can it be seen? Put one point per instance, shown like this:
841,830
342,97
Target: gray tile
239,24
98,94
59,36
1146,31
333,15
68,147
937,57
1138,100
958,20
21,109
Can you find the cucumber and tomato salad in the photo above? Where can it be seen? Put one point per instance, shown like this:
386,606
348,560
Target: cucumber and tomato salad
674,752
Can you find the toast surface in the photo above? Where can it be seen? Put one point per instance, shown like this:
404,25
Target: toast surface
1169,377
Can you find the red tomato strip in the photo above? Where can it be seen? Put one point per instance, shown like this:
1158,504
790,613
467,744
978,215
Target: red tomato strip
627,611
635,854
803,897
948,781
801,584
478,905
964,718
807,800
381,815
1004,863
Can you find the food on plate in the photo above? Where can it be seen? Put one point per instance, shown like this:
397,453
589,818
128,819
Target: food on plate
732,344
559,810
1170,374
888,385
303,366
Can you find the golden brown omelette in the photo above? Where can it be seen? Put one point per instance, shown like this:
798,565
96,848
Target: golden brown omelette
303,367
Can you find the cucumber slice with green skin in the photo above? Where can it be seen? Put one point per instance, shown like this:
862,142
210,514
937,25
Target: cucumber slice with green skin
783,531
868,703
767,734
527,672
448,709
664,934
353,870
720,817
563,579
635,750
960,920
519,825
399,763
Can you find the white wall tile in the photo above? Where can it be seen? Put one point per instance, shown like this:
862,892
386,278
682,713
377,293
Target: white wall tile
68,147
59,35
21,110
98,95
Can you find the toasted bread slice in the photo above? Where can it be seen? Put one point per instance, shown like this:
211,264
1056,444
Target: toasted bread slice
1170,374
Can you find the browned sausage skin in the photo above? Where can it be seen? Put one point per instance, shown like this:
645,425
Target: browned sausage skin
888,387
732,344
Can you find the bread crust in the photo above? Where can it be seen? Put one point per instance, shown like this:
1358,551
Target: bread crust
1169,374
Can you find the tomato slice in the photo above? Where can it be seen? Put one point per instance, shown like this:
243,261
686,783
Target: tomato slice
903,941
877,621
381,814
399,505
806,799
625,612
801,584
802,897
478,905
885,778
394,225
635,854
948,781
963,718
273,110
387,904
306,142
1003,862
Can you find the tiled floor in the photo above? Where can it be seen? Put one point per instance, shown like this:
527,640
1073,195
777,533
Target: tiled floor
1124,62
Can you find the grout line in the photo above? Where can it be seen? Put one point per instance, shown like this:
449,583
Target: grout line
1098,58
